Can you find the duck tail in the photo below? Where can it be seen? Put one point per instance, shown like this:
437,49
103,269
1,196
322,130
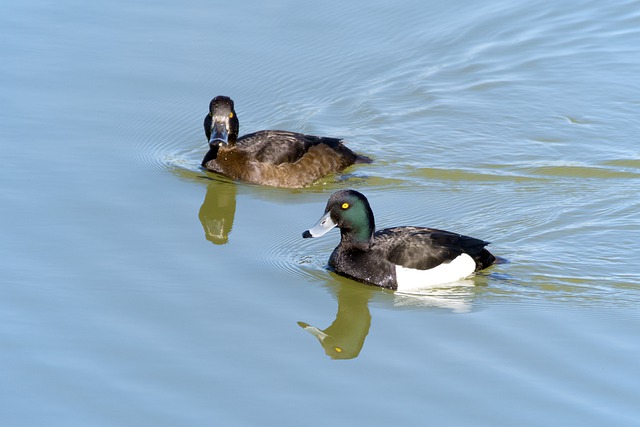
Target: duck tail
484,259
362,159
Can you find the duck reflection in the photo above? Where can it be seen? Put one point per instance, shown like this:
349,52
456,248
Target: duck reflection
218,211
219,206
457,298
345,337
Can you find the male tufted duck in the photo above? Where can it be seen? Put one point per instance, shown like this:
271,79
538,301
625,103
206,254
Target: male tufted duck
399,258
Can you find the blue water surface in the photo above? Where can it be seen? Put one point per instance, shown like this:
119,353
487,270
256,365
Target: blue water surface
139,290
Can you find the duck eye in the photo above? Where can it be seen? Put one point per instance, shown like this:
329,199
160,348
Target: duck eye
230,115
345,206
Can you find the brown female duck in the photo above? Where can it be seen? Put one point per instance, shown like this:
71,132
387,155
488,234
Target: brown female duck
270,157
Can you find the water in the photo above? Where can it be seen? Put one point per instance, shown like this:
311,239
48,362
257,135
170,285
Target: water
139,290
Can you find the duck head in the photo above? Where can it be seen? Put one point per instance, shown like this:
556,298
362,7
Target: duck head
221,125
350,211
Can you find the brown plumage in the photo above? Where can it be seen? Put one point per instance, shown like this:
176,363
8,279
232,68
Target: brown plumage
271,157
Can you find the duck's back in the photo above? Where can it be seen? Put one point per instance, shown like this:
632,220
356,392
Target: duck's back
424,248
283,159
278,146
421,254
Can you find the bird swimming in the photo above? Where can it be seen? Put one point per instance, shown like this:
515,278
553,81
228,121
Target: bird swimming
270,157
398,258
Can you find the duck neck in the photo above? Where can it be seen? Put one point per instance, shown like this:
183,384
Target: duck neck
212,154
233,138
353,241
359,236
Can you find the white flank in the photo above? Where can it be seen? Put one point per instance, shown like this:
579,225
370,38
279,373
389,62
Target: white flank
410,278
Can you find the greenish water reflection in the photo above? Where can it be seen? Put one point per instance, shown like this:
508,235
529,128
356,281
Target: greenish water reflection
218,208
218,211
344,338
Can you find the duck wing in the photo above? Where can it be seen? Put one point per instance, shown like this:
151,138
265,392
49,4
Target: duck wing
278,146
424,248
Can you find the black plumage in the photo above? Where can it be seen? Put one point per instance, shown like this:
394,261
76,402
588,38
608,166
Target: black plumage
372,257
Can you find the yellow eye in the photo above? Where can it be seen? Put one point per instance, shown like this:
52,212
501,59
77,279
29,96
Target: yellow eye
231,115
345,205
338,350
